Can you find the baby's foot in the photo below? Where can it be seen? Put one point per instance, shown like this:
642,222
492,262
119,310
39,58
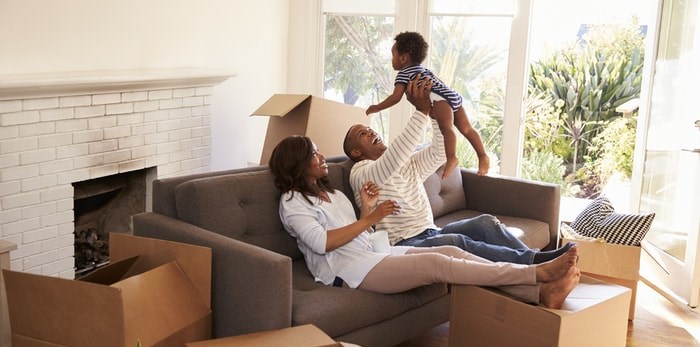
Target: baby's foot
450,165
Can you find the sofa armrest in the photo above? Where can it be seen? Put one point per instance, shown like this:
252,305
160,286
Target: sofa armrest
495,194
251,286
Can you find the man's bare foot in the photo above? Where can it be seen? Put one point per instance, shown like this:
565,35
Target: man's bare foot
450,165
553,294
557,268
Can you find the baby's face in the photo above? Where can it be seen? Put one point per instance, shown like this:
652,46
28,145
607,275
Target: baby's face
398,60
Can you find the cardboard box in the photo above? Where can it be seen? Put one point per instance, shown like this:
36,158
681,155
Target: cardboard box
326,122
594,314
154,291
611,263
303,335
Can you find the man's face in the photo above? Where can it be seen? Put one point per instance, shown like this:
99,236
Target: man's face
365,143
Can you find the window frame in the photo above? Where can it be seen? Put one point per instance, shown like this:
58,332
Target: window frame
306,52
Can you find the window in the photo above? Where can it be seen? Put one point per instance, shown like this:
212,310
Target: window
469,48
357,56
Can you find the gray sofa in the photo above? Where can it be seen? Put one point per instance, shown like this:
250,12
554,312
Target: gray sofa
260,280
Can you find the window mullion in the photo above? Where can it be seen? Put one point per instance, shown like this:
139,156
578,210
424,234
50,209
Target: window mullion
516,91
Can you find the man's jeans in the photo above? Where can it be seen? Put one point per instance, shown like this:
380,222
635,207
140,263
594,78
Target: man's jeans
483,235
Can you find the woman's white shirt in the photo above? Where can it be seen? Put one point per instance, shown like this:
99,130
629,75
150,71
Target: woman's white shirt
309,224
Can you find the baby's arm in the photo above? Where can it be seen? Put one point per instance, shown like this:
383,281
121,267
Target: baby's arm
390,100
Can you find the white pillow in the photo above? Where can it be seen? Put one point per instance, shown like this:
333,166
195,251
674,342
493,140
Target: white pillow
567,232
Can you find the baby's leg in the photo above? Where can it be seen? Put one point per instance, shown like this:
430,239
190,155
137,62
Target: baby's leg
462,124
461,121
442,112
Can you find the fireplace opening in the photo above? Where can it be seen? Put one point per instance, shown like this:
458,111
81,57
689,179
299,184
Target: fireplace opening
105,205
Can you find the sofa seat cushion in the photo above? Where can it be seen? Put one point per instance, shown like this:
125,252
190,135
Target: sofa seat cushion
537,235
338,311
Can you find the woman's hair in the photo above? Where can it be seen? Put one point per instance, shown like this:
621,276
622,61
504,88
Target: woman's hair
412,43
289,163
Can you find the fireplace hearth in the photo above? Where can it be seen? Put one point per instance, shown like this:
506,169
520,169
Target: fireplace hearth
101,206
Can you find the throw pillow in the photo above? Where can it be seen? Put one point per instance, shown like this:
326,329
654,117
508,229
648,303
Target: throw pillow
599,220
567,232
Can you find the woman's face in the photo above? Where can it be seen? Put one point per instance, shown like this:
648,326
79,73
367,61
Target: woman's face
317,165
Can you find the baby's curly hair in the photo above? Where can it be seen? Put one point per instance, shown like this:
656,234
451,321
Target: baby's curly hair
412,43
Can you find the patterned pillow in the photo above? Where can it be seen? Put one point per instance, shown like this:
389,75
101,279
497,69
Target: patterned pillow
599,220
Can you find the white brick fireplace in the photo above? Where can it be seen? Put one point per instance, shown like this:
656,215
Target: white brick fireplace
59,129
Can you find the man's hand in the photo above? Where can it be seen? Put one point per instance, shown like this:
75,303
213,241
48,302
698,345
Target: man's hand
418,93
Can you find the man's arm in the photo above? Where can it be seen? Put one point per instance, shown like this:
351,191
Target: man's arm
403,147
429,159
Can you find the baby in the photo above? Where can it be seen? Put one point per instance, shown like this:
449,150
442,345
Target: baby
407,54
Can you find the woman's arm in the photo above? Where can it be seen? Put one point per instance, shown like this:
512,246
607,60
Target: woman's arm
308,224
340,236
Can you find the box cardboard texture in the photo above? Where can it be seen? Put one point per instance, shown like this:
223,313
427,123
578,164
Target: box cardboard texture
307,335
594,314
611,263
154,291
324,121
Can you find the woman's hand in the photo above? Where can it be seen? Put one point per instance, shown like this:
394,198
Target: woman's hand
369,195
384,209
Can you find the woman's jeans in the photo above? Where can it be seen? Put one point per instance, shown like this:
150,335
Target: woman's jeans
483,235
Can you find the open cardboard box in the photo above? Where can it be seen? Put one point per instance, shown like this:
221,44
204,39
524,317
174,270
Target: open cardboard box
611,263
154,291
324,121
303,335
594,314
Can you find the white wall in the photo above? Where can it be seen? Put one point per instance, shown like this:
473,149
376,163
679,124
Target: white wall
248,38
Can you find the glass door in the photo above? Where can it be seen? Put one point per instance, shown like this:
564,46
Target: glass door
670,178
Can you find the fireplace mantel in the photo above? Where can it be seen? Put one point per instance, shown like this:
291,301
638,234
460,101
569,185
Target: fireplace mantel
57,129
39,85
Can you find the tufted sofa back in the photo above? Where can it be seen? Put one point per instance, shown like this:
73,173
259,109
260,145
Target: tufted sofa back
243,204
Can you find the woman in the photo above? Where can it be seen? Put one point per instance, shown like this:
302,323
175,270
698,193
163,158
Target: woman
337,247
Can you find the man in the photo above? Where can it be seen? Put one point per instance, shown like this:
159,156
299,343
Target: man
399,171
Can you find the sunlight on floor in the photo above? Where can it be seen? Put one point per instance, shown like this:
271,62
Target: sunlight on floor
670,309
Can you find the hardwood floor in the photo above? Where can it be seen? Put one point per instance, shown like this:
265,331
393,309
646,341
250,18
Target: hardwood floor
659,321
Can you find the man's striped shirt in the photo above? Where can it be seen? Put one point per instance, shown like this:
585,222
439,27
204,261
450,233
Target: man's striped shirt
400,173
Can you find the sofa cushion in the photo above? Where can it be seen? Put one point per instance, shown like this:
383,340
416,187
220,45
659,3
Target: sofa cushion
537,235
338,311
445,195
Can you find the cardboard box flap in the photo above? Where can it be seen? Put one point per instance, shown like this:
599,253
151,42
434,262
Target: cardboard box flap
300,335
38,305
279,105
195,261
324,121
176,305
111,273
588,293
608,259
